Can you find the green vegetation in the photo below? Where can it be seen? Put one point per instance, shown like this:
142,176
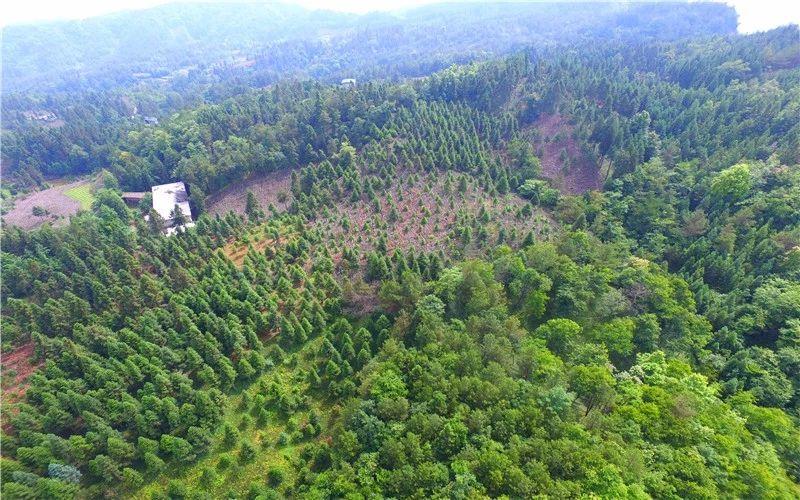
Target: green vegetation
82,193
481,376
206,53
432,315
257,424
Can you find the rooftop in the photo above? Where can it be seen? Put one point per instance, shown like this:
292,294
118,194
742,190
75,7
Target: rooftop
166,196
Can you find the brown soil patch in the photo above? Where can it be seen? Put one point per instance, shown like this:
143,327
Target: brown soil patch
236,250
58,207
267,188
17,366
359,298
412,231
563,160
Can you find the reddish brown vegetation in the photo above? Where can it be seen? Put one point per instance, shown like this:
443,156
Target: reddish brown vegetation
17,366
554,136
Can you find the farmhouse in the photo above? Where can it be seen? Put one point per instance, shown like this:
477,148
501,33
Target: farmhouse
169,198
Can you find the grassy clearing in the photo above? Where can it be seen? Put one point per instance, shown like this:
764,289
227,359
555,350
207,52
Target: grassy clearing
82,193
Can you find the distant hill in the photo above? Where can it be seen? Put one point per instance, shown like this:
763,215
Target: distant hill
125,47
107,50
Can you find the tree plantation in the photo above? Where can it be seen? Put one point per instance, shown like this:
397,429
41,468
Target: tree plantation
565,267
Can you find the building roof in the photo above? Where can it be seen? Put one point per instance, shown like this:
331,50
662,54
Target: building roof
133,195
166,196
133,199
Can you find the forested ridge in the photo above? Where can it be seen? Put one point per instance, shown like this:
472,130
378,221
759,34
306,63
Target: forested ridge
282,39
101,78
415,305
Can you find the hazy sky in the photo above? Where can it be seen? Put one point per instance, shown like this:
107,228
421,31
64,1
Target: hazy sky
754,15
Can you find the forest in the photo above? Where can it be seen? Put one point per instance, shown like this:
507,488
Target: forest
557,266
100,78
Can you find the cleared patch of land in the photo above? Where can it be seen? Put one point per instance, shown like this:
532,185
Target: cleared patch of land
17,366
256,240
272,188
563,160
429,216
49,205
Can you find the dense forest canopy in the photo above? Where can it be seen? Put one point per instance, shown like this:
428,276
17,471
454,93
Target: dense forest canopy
559,261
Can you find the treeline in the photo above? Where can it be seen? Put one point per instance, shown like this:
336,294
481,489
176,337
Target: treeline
425,138
107,51
721,105
94,112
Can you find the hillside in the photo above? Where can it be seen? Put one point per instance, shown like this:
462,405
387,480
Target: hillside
101,78
568,266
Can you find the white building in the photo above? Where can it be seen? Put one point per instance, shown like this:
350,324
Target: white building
166,197
348,83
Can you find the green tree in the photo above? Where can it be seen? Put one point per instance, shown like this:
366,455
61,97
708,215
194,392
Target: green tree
730,185
253,208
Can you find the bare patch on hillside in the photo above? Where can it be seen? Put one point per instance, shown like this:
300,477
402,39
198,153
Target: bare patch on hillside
237,249
563,160
269,188
17,366
427,220
48,205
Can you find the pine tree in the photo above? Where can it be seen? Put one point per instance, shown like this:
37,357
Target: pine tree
332,370
363,358
156,222
177,216
462,184
253,208
529,239
502,184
